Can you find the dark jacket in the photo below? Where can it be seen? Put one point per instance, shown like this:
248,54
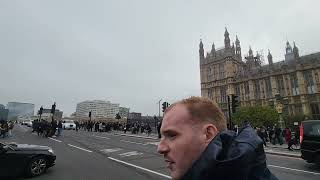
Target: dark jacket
234,157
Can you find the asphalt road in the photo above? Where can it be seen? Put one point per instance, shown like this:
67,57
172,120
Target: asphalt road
93,156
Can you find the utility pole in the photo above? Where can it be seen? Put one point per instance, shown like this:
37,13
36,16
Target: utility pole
159,107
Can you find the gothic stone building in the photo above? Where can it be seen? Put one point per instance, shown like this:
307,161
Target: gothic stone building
296,79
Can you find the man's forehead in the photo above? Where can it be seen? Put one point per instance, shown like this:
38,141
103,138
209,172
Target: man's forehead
177,115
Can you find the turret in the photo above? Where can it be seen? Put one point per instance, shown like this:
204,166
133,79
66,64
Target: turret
270,61
226,39
238,48
213,50
295,51
201,50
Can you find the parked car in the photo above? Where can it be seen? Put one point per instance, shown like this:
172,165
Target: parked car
25,159
310,141
68,124
29,123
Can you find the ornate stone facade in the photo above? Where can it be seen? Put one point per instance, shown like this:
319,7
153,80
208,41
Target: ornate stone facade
223,72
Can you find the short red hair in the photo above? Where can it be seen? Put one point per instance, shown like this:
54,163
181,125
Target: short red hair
203,110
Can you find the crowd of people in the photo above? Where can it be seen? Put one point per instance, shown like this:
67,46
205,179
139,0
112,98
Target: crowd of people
47,129
99,126
6,128
276,135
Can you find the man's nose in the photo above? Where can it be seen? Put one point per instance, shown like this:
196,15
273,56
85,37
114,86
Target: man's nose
162,147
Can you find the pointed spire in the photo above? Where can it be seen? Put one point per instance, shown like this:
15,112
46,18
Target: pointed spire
288,48
201,50
226,39
237,40
250,51
201,44
213,49
295,51
226,33
270,57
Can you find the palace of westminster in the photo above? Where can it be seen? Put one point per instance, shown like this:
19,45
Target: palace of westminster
225,72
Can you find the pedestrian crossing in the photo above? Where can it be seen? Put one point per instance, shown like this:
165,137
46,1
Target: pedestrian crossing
122,154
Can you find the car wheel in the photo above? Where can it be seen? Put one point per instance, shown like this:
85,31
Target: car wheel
37,166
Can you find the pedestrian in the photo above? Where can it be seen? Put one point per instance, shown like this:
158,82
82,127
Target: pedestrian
96,126
59,128
196,144
278,135
10,127
288,135
261,134
77,125
100,127
148,128
125,128
6,128
2,129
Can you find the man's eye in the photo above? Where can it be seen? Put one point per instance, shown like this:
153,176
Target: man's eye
172,135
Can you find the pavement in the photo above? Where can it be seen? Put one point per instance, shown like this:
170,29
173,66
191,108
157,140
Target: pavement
91,155
281,150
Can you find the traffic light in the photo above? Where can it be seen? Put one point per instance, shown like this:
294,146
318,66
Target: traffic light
165,105
235,102
53,108
40,111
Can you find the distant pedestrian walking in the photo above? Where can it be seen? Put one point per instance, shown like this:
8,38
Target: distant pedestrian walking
158,129
59,128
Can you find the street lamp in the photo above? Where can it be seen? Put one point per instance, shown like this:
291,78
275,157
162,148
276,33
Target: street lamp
279,108
159,106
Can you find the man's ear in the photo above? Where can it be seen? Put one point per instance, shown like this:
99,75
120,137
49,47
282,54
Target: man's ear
210,132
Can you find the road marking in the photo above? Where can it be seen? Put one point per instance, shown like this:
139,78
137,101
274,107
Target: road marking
138,167
55,140
153,143
295,158
131,153
79,148
281,153
133,142
111,150
101,137
298,170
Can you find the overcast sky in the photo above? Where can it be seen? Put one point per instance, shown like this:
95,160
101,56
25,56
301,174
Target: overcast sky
134,52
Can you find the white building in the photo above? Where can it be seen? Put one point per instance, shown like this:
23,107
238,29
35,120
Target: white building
99,109
20,109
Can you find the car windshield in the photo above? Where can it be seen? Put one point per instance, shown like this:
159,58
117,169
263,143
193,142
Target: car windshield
312,128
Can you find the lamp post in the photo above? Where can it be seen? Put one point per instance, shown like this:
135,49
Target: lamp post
279,108
159,107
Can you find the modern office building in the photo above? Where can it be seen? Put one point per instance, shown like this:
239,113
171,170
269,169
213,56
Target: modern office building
99,109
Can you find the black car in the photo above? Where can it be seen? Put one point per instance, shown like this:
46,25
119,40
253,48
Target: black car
24,159
310,141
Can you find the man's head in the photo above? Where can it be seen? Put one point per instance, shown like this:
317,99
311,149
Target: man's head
188,127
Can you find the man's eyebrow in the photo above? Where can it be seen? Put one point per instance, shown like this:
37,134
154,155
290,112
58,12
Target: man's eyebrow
169,131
